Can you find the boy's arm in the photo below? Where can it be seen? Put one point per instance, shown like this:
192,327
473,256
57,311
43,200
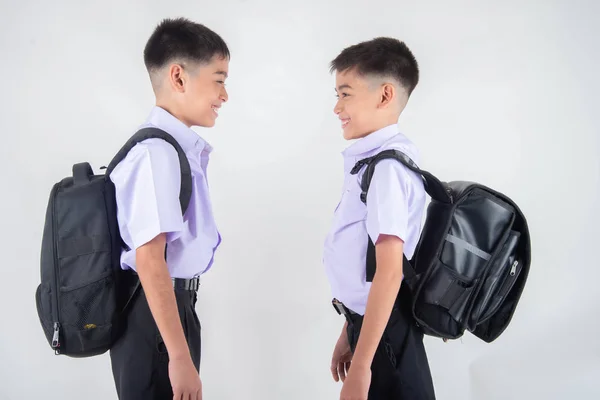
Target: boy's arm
387,226
382,296
147,185
158,287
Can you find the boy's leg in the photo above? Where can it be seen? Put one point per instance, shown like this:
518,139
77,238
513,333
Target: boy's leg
411,374
400,369
139,358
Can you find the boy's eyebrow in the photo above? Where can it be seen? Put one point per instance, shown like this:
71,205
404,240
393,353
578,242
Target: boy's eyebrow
344,86
222,73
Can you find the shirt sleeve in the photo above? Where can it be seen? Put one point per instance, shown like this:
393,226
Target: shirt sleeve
387,201
147,184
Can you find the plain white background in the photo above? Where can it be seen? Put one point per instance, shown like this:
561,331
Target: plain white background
508,97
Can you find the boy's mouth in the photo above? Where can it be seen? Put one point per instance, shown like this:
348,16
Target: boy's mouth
345,122
215,110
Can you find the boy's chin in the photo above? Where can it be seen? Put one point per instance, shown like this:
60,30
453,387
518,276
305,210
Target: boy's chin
209,124
205,122
350,134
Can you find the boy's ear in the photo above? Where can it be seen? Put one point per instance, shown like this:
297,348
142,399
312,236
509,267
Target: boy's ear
177,77
388,93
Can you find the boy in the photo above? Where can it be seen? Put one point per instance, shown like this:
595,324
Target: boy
380,352
158,355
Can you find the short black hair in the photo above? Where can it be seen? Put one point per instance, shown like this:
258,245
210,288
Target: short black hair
380,56
182,39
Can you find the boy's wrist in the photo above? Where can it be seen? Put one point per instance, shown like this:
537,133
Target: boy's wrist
363,356
360,363
182,354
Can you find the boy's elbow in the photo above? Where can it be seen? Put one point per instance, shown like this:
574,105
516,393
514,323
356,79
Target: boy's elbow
391,271
151,254
389,251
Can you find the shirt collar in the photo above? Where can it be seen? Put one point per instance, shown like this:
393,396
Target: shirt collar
187,138
371,141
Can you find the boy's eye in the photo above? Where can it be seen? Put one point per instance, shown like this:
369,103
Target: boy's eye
342,95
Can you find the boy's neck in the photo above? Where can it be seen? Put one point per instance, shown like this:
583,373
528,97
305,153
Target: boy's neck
173,110
383,124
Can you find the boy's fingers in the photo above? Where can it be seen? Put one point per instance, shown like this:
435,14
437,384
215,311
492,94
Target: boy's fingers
334,371
342,371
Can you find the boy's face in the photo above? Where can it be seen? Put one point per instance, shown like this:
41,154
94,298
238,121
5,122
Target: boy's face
205,92
357,104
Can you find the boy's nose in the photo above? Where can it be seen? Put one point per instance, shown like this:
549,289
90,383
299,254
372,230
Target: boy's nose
337,109
224,96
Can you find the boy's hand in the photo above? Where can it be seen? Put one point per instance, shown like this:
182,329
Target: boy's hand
185,380
356,386
342,357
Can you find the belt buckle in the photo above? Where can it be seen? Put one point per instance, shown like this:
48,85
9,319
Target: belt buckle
339,307
186,284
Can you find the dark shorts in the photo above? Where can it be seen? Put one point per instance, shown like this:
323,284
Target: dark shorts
400,370
139,358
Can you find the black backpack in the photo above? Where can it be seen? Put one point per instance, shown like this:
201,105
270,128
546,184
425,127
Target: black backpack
83,294
471,262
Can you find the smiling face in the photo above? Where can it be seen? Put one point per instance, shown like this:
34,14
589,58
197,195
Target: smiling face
355,104
374,80
188,64
194,92
364,104
204,92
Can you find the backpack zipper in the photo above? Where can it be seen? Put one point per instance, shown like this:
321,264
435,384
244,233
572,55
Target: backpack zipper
56,335
513,269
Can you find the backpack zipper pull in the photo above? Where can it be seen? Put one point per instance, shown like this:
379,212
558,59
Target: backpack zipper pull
55,341
513,269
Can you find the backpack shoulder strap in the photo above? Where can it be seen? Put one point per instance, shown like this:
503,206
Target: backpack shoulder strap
185,192
433,187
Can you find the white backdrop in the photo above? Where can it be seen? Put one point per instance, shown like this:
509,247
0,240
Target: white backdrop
508,97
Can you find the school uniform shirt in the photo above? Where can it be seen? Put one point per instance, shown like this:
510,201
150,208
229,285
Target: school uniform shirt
147,184
395,203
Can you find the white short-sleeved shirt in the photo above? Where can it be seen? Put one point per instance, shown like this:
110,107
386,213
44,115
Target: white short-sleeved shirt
147,184
395,204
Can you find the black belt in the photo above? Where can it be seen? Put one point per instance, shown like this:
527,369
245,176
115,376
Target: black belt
186,284
178,283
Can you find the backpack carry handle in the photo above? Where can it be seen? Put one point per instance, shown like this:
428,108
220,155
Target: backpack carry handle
82,173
